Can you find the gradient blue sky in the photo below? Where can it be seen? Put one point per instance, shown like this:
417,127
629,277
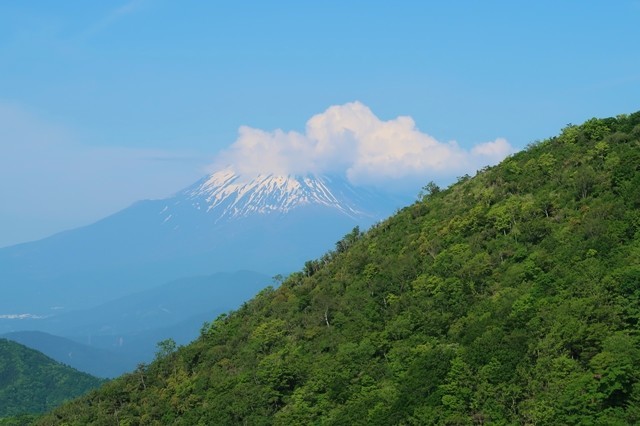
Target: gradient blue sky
104,103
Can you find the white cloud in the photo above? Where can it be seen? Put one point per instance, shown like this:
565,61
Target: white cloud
497,149
350,139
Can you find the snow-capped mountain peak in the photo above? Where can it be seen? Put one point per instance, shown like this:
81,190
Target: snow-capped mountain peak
231,195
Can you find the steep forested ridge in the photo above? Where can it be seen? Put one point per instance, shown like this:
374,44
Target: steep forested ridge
512,297
31,382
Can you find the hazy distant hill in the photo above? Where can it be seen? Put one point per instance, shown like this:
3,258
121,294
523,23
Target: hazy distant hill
161,306
115,337
30,382
512,297
95,361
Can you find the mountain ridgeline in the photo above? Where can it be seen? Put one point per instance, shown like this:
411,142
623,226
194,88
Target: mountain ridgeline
31,383
97,362
512,297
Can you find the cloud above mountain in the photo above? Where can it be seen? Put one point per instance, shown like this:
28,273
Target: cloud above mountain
350,139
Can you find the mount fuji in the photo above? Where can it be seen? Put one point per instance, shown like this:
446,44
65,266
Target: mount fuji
225,222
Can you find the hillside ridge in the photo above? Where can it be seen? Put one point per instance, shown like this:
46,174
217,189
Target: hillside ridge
511,297
31,382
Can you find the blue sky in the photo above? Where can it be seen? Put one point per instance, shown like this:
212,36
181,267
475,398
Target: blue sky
104,103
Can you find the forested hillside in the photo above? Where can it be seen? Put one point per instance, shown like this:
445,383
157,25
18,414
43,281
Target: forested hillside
512,297
31,382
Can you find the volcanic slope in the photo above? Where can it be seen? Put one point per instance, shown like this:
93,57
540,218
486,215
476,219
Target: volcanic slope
225,222
512,297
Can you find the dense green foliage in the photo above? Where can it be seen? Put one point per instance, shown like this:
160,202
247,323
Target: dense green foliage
512,297
21,420
30,382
